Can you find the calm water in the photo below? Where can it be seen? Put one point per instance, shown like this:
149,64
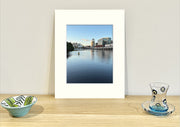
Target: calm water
90,66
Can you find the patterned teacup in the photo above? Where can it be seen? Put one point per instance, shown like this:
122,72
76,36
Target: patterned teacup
158,101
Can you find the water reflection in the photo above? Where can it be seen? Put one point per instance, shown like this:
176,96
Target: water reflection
103,55
90,66
92,54
68,54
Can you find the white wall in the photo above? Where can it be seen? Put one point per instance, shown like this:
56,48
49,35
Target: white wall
27,43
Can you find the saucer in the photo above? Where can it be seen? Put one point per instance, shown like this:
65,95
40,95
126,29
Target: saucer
146,108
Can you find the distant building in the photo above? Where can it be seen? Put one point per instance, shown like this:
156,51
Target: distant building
99,46
77,45
108,45
104,41
93,43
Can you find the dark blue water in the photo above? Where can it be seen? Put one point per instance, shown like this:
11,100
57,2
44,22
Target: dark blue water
90,66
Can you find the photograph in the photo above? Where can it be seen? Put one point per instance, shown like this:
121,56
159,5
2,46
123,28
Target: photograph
89,53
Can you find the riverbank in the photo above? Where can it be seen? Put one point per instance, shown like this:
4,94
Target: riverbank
95,48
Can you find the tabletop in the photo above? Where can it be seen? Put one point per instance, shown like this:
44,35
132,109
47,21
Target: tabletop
51,112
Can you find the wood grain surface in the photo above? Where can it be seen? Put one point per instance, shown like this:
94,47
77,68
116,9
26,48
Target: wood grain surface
51,112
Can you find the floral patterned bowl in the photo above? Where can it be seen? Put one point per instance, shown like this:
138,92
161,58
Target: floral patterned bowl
18,106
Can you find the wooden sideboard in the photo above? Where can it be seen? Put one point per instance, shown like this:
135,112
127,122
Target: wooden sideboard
51,112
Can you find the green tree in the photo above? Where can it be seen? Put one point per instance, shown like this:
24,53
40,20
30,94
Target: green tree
69,46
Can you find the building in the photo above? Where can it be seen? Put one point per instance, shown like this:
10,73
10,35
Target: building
109,45
104,41
93,43
77,45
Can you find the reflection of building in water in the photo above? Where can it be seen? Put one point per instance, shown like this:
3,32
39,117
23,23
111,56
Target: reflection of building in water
92,54
77,45
104,41
104,55
93,43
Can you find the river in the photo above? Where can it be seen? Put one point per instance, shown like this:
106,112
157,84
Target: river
90,66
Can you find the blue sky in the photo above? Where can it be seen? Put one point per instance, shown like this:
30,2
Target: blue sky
84,33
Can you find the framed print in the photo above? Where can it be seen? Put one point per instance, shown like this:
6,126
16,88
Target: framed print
89,53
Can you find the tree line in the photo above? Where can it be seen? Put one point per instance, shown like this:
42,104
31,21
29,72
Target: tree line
69,46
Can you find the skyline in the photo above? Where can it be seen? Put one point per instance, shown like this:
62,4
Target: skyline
84,33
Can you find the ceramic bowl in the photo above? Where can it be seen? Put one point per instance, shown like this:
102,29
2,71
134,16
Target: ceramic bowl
18,106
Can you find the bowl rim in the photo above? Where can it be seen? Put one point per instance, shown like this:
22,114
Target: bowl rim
18,107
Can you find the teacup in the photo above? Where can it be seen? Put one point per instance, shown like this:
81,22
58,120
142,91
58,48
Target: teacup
159,101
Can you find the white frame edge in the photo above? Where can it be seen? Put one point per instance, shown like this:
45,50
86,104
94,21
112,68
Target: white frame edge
115,90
